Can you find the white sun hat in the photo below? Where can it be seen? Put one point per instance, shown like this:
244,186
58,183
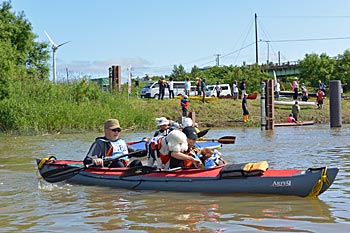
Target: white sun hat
162,121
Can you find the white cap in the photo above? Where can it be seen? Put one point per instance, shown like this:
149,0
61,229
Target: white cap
162,121
186,121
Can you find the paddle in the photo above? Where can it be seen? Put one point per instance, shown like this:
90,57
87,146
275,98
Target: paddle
223,140
145,139
142,170
134,171
202,133
68,171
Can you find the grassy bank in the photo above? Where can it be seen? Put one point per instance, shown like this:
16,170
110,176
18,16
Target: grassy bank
40,107
228,113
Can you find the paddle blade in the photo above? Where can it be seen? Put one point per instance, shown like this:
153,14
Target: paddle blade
227,140
223,140
137,154
135,171
202,133
60,174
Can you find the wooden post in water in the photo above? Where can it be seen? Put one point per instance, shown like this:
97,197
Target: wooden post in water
262,105
335,103
270,108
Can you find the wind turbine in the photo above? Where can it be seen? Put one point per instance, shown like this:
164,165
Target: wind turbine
54,49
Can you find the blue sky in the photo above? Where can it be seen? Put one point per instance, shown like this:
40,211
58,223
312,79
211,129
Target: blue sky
154,35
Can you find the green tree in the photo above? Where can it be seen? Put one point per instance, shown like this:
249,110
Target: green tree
20,55
254,76
195,72
179,73
342,69
215,74
314,68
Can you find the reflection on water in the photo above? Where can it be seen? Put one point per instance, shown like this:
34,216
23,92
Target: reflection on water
29,205
105,209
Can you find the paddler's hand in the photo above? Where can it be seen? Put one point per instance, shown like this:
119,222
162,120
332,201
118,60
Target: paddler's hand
98,162
196,162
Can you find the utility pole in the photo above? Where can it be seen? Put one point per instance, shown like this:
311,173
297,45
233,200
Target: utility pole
217,59
256,40
67,74
279,58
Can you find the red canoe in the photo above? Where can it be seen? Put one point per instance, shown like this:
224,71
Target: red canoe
223,179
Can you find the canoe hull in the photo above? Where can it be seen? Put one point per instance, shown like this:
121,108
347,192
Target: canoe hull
303,123
272,182
301,103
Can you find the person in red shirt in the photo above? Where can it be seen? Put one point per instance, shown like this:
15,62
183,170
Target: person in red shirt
320,97
291,119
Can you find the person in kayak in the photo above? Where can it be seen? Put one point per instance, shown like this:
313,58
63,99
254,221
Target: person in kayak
163,124
108,147
188,158
173,151
291,119
211,158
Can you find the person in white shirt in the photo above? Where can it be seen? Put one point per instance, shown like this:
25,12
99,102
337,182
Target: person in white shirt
235,90
277,89
187,87
171,88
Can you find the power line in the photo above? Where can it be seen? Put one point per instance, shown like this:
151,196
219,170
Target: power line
309,39
306,16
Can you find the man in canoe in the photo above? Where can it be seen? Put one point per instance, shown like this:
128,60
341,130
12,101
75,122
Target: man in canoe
110,146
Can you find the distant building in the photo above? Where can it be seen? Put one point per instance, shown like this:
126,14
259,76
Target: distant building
102,82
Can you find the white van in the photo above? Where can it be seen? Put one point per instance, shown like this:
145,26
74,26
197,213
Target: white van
151,90
225,90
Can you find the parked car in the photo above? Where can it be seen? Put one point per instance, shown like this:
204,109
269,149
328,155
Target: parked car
151,90
225,90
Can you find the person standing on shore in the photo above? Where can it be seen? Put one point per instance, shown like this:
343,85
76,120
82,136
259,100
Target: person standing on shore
243,87
198,85
320,96
171,88
278,89
184,105
295,88
235,90
187,87
218,89
162,85
245,108
203,89
295,110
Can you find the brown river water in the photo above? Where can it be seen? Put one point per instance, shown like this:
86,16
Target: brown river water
29,204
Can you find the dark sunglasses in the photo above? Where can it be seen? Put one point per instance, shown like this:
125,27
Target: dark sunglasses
116,130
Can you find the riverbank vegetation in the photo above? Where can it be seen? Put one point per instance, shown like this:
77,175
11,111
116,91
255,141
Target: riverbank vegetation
42,107
31,104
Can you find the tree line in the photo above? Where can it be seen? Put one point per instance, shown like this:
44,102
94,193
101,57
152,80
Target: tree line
313,68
